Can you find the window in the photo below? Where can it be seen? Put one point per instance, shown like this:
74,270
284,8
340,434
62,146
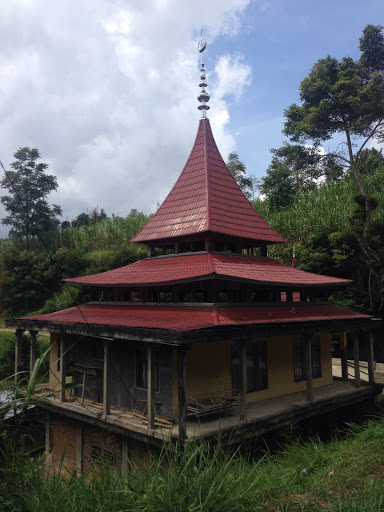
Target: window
299,358
101,455
257,374
141,370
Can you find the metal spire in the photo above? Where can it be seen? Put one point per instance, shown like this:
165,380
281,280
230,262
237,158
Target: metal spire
203,97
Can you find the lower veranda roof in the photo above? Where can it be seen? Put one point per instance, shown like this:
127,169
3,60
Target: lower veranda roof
190,318
190,267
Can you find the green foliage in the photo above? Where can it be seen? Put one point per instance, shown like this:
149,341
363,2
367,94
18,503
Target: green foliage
28,185
239,171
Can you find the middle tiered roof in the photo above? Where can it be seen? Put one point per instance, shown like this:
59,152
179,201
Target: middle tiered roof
206,199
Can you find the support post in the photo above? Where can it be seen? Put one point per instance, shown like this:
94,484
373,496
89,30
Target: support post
356,358
150,387
18,350
125,455
308,367
79,445
106,383
243,380
62,371
371,362
181,393
344,355
32,353
48,438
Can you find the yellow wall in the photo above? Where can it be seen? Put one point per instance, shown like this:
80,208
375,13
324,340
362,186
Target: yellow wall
208,368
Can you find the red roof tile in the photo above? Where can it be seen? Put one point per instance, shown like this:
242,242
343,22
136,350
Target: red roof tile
189,318
206,198
184,267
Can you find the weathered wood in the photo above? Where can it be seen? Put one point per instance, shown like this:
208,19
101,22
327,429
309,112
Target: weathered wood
181,393
308,367
32,352
18,351
344,355
243,380
371,362
356,358
106,382
151,386
62,371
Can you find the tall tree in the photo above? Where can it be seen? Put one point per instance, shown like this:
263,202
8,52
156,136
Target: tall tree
29,185
239,171
345,97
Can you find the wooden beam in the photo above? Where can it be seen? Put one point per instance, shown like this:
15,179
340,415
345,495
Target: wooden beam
308,367
106,382
181,393
243,380
62,371
151,387
344,355
371,362
32,353
356,358
18,351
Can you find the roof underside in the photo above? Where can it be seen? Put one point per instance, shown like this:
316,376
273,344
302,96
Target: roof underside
206,198
189,318
192,267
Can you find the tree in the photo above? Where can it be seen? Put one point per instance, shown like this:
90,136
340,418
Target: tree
81,220
345,97
28,210
239,171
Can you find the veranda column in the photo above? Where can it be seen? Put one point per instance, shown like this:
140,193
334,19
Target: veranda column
243,380
18,350
371,359
62,370
308,367
79,445
344,355
356,358
32,352
181,393
106,382
151,387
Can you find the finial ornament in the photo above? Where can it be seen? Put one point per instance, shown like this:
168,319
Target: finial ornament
203,97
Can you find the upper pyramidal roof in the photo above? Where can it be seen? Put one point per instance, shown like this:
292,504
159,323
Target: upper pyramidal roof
206,197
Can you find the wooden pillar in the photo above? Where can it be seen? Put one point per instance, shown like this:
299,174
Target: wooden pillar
79,445
371,362
32,354
344,355
243,380
356,358
308,367
181,393
62,371
151,387
106,383
125,455
18,350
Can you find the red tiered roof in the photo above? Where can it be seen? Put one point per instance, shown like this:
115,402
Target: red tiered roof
192,267
206,198
190,318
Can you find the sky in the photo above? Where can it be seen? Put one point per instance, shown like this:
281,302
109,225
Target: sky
107,89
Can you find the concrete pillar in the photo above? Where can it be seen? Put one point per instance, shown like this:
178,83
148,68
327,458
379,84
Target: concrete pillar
125,455
308,366
151,387
371,361
18,350
32,354
356,358
181,393
344,355
79,445
243,380
106,381
48,438
62,371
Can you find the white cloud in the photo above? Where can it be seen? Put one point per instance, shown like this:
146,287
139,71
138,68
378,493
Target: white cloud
106,89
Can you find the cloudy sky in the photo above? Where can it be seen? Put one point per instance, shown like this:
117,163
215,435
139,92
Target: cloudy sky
106,89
